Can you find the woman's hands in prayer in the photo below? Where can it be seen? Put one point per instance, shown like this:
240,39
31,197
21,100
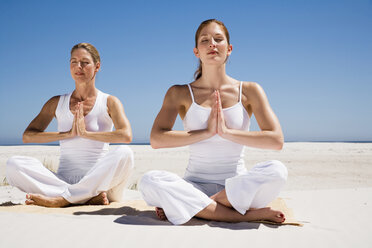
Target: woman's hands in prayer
216,121
78,125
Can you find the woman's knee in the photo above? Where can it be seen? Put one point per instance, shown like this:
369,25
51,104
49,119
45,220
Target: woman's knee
150,187
125,153
149,180
272,169
157,180
14,164
279,170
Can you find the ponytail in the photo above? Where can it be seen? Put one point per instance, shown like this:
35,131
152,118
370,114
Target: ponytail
198,72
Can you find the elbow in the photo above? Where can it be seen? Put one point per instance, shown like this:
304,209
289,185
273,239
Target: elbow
279,143
155,144
26,138
279,146
157,138
129,137
126,137
122,136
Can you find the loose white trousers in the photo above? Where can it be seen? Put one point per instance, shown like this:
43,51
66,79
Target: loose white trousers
110,174
181,199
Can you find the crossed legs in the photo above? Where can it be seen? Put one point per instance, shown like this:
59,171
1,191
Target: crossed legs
106,180
221,210
244,199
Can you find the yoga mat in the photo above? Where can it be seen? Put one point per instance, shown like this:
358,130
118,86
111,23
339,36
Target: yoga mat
128,208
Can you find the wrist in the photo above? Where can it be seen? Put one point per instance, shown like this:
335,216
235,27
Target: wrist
224,132
210,132
84,134
69,134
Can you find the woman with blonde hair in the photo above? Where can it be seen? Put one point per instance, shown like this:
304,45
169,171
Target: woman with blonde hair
88,172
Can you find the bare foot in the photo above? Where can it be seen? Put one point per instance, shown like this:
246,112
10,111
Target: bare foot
100,199
221,198
160,213
267,214
46,201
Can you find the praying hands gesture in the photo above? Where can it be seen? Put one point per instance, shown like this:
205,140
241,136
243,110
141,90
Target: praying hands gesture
122,131
269,137
78,125
216,121
35,132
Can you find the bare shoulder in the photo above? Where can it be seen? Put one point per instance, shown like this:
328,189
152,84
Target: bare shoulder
252,90
251,87
112,101
48,111
114,105
178,90
54,100
51,105
177,93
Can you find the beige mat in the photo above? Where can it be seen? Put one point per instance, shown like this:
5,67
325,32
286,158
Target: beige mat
128,208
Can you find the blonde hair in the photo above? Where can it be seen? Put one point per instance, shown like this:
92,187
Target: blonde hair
90,49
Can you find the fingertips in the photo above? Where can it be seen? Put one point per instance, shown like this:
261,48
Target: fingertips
81,109
218,94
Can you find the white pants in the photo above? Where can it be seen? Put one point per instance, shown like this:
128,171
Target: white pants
110,174
181,199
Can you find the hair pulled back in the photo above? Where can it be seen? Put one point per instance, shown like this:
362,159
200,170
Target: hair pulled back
198,72
90,49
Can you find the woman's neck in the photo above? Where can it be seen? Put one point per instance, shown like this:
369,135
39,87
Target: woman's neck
214,76
83,90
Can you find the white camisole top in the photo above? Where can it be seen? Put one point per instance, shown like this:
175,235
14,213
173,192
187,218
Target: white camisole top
78,154
215,159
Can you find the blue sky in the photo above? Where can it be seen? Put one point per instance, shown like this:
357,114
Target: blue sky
313,58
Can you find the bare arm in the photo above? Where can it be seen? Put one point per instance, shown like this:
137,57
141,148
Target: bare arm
270,136
34,133
122,132
163,136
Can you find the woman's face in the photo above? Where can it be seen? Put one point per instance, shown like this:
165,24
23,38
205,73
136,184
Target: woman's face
82,65
213,47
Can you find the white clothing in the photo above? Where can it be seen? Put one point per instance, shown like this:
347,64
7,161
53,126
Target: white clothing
215,159
86,167
182,199
110,174
79,155
215,164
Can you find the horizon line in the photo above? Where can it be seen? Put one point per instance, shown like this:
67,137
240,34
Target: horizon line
148,143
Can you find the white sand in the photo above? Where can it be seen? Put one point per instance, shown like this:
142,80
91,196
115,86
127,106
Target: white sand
329,189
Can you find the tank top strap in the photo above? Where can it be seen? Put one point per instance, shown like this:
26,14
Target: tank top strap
100,105
192,95
103,99
63,106
240,91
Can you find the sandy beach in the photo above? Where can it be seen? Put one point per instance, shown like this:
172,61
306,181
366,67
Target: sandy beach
329,190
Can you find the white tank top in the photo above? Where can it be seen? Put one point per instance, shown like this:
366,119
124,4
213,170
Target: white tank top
215,159
78,154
